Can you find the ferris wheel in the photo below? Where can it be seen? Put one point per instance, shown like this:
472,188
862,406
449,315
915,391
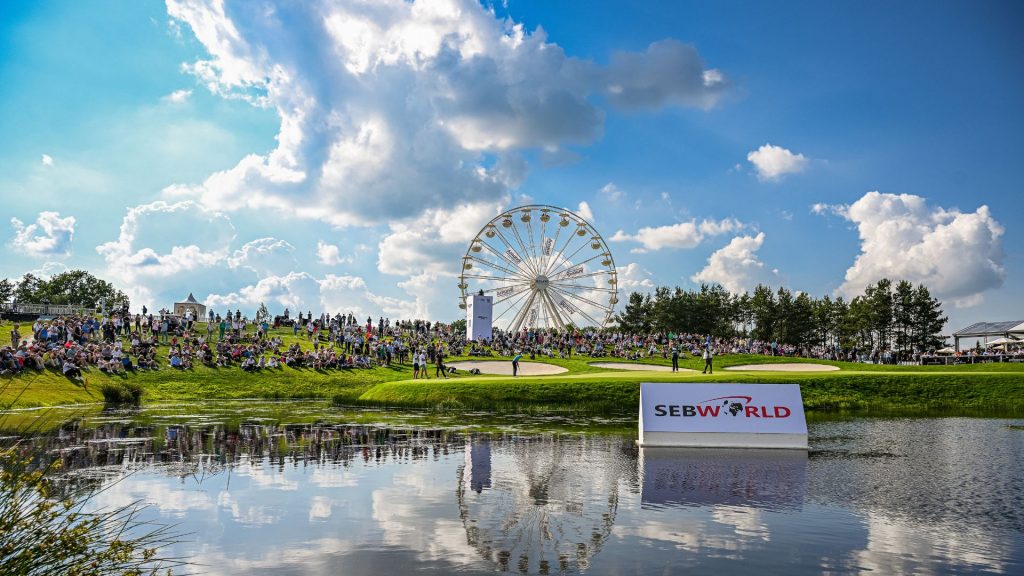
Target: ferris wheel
545,267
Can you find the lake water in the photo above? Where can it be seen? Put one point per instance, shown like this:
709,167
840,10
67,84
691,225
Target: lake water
374,492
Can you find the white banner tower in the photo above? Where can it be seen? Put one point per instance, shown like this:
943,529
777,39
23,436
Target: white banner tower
478,317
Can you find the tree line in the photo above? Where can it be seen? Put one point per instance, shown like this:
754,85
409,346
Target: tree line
76,287
898,317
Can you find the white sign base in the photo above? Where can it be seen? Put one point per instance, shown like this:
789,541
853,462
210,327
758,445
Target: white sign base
722,416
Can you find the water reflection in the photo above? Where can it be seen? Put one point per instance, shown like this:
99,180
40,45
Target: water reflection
265,497
752,478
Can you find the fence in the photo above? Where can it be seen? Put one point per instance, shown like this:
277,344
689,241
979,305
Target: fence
954,360
44,309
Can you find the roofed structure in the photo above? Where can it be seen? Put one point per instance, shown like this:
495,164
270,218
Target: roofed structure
988,330
190,305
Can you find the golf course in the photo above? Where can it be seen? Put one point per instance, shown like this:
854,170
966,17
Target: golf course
582,384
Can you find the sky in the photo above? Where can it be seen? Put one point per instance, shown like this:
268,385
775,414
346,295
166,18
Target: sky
340,155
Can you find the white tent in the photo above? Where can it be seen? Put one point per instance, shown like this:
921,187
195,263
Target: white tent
946,350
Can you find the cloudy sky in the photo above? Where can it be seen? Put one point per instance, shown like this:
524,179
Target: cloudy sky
340,154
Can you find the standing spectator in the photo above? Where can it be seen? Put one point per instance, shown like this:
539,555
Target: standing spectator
15,336
709,354
439,359
675,358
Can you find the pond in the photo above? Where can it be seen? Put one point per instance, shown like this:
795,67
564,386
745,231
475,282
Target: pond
304,488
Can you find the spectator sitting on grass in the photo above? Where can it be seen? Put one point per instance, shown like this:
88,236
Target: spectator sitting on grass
71,370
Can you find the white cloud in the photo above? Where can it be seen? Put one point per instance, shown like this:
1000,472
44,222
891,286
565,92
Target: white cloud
668,73
957,255
774,162
301,292
633,278
434,241
177,97
264,256
49,236
736,267
146,255
49,270
682,235
47,160
612,192
390,108
330,255
585,212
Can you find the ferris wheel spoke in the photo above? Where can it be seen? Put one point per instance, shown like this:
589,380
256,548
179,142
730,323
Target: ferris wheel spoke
508,297
517,320
581,276
506,286
567,263
526,252
577,308
546,261
587,288
553,310
494,265
556,258
533,243
580,298
571,266
524,262
510,307
518,271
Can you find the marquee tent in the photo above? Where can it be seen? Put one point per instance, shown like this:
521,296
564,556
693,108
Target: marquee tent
987,330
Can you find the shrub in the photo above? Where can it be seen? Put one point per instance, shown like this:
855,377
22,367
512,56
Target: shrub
41,533
126,393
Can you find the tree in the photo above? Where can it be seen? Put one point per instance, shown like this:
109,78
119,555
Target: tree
902,316
762,306
27,289
262,314
636,317
6,290
927,320
76,287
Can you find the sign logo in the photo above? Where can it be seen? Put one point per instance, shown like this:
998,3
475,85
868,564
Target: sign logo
513,256
722,415
730,406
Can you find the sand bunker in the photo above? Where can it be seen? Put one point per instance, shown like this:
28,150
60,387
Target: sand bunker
504,367
785,367
634,366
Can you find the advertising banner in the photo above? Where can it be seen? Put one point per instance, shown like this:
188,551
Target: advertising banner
722,415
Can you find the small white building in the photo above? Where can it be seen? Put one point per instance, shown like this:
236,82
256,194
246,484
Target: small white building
190,305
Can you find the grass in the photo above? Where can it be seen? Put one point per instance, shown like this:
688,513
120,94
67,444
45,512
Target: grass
856,387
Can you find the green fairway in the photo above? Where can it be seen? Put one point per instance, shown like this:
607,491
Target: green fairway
866,388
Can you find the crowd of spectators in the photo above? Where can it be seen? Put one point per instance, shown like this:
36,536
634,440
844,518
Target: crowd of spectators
122,343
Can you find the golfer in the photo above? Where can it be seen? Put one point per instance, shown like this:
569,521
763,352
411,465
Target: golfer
515,364
709,354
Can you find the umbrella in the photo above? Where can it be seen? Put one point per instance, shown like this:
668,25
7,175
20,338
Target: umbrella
946,350
1001,341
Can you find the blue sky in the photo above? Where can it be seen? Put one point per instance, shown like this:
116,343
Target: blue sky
331,157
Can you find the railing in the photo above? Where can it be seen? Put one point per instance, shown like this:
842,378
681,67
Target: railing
954,360
44,309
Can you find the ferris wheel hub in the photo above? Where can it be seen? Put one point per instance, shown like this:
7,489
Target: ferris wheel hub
540,282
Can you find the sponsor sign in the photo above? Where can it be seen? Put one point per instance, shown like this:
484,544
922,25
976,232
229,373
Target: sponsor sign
505,291
573,272
722,415
565,305
511,254
548,244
